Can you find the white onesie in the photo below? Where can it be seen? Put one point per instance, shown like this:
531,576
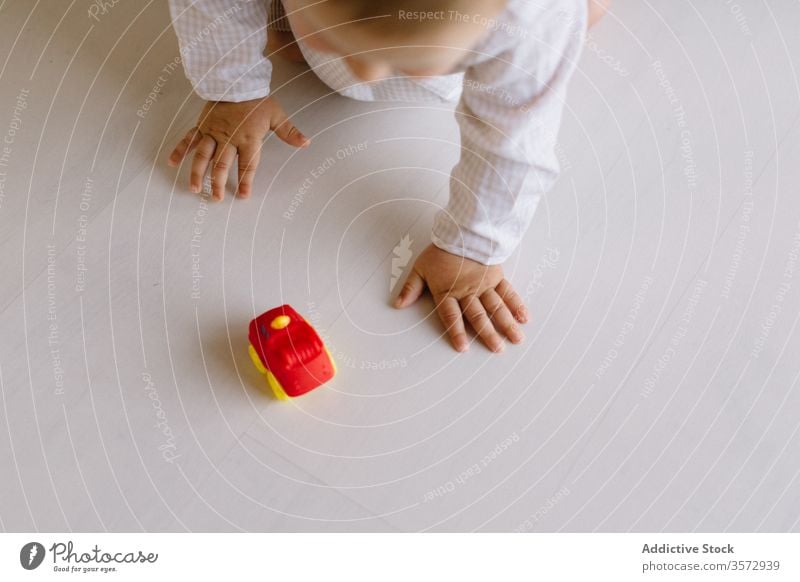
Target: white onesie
510,90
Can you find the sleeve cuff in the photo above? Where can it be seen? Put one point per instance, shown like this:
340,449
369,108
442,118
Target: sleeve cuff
463,250
233,96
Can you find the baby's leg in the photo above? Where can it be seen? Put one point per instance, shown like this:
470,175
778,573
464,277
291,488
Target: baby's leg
280,40
597,9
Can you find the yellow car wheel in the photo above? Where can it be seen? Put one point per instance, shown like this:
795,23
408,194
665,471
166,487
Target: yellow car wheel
277,389
333,363
256,360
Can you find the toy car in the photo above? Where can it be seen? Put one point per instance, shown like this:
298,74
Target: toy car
287,349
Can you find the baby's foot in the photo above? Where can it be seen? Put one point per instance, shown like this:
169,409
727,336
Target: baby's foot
283,44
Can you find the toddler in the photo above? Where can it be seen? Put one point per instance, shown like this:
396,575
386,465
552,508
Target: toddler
505,62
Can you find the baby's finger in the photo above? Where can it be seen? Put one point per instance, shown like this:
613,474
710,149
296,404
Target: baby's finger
513,300
287,132
223,162
249,157
501,317
480,322
202,156
413,288
450,314
191,139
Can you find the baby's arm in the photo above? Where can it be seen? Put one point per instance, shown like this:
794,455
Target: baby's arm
509,115
222,44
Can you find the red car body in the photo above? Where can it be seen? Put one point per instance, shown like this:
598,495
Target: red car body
285,348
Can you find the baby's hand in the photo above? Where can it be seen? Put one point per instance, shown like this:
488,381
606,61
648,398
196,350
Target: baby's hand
460,285
226,129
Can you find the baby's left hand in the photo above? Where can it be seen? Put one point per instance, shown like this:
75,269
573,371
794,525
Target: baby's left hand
463,287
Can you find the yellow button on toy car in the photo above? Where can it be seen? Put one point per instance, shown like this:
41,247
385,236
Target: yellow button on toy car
280,322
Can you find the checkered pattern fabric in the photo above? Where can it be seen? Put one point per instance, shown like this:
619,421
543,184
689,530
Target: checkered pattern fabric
277,17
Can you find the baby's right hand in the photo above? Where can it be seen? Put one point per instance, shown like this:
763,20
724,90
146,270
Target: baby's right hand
226,129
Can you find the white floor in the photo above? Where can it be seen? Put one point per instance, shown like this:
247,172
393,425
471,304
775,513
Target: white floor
657,389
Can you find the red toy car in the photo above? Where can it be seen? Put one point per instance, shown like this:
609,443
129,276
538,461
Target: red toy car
285,347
